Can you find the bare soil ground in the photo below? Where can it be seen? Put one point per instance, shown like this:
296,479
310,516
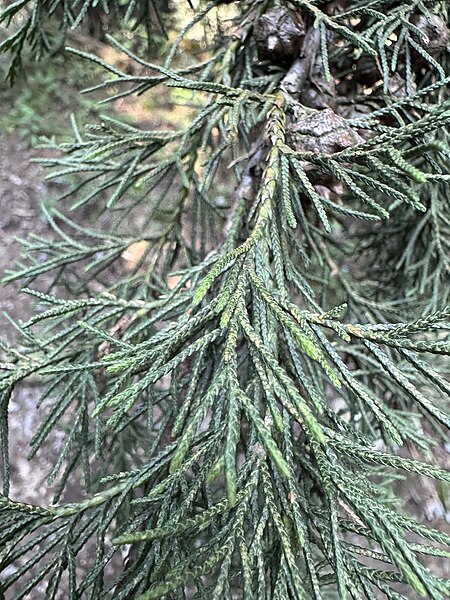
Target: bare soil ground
22,189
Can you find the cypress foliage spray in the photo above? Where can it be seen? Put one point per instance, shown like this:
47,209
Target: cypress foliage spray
241,403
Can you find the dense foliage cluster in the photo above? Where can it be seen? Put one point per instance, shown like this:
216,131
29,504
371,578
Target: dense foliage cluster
43,24
241,402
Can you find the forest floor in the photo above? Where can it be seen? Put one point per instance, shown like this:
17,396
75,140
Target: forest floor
22,189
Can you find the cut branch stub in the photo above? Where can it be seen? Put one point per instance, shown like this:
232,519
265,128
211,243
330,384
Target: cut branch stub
435,34
279,35
322,131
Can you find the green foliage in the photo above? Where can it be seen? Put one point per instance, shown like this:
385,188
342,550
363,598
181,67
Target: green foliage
227,397
43,25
